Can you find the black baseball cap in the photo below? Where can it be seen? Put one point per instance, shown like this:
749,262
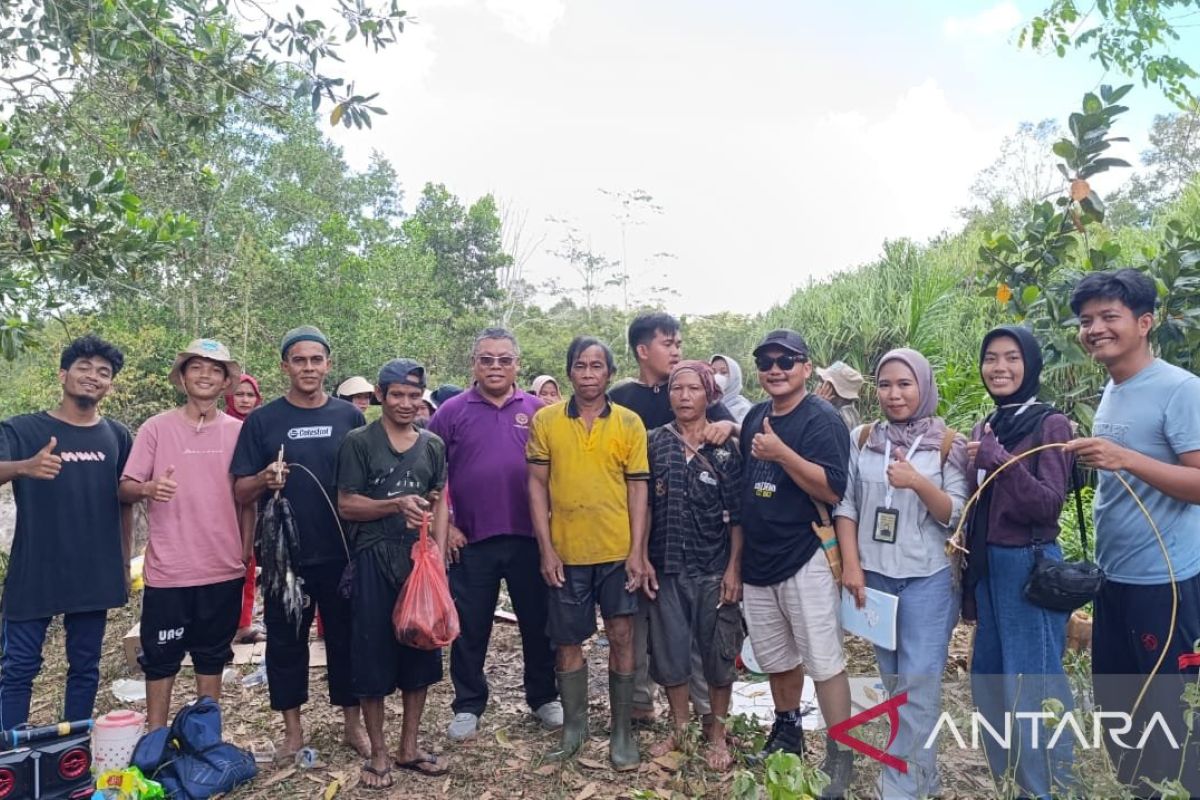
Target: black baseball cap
402,370
787,339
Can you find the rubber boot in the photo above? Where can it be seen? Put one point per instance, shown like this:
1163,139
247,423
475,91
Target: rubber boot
573,691
622,745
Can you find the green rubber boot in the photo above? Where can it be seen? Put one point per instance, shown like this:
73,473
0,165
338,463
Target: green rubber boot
622,744
573,690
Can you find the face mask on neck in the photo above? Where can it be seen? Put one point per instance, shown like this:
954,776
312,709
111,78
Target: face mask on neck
722,381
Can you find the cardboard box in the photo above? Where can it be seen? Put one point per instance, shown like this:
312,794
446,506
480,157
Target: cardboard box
242,653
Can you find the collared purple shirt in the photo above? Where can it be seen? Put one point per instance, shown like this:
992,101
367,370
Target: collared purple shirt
485,453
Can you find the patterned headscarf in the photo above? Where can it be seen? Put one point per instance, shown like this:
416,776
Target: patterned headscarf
707,378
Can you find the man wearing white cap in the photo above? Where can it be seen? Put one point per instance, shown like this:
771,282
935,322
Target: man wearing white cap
196,553
840,384
356,390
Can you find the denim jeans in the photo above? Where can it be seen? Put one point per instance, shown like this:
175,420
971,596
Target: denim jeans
1016,665
926,615
22,660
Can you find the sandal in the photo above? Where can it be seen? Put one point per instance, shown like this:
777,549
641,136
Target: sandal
254,635
384,774
416,766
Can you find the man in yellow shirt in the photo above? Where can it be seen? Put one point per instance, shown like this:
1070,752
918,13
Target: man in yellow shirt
588,476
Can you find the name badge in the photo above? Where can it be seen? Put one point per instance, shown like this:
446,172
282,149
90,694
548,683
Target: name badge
887,520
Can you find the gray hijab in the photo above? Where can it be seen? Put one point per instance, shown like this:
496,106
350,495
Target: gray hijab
922,423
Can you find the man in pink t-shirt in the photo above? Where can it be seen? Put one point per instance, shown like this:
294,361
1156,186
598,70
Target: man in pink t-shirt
196,554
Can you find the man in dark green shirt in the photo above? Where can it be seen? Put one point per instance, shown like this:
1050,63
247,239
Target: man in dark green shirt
391,475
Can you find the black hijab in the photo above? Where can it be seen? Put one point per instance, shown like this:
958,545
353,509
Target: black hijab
1010,426
1011,422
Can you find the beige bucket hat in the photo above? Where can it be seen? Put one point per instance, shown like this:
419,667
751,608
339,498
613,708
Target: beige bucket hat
355,385
846,379
205,348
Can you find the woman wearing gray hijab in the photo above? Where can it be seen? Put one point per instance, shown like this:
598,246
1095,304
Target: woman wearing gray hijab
906,488
729,379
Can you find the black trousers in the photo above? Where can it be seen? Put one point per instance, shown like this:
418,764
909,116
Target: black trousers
287,648
1129,632
475,584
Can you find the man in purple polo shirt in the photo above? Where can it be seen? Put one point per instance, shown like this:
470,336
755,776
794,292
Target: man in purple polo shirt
485,430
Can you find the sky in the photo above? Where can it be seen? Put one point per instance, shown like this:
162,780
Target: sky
782,141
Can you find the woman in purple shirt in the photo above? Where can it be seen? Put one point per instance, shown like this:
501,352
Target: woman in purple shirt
1017,661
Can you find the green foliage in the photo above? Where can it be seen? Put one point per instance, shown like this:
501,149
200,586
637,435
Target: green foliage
167,74
785,777
1170,164
914,296
1033,271
1132,36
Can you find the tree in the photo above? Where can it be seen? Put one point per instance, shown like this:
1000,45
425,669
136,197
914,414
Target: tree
1171,164
171,71
1132,36
1023,174
1032,271
596,271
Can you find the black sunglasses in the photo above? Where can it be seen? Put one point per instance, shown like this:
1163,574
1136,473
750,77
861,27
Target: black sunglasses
785,362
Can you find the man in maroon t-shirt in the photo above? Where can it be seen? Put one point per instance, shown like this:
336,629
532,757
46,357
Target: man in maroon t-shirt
485,430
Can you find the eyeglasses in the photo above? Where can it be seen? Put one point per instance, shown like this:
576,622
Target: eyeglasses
785,362
504,361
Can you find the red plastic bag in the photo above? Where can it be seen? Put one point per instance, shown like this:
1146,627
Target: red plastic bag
424,616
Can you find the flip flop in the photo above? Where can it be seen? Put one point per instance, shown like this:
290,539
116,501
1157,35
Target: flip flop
383,774
254,636
415,766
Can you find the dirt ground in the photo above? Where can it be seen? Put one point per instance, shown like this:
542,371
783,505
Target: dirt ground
505,760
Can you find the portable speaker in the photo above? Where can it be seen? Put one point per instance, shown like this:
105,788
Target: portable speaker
59,769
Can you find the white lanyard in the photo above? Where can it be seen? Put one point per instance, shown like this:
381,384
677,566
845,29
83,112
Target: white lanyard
887,459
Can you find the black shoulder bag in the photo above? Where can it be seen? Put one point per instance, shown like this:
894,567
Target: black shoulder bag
1064,585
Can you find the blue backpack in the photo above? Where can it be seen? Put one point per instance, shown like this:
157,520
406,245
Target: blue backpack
189,759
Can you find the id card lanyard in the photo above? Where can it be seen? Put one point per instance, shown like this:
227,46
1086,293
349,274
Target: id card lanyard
887,517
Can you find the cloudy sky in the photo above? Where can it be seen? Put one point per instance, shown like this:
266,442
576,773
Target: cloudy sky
784,140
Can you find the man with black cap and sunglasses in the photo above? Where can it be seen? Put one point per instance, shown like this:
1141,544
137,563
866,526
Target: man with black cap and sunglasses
309,424
797,451
391,477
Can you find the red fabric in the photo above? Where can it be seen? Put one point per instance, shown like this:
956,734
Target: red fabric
248,597
424,616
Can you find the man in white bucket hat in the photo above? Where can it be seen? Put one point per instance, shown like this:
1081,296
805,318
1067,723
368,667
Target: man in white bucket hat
196,553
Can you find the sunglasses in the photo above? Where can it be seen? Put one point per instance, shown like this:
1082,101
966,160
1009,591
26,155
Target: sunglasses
504,361
785,362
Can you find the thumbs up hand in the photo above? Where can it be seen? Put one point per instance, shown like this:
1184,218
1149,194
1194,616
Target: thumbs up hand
901,473
767,446
44,466
162,488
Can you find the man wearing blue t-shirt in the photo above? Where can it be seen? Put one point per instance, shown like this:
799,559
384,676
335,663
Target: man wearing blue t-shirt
1147,428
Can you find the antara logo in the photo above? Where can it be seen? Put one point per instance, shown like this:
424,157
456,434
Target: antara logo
891,707
1116,724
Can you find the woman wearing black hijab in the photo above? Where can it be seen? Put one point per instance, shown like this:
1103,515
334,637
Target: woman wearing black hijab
1017,660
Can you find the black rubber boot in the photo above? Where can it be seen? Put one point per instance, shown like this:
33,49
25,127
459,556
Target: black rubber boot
839,766
622,744
573,691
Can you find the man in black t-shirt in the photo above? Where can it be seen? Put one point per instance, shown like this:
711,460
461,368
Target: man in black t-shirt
655,342
70,550
797,454
310,425
391,474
